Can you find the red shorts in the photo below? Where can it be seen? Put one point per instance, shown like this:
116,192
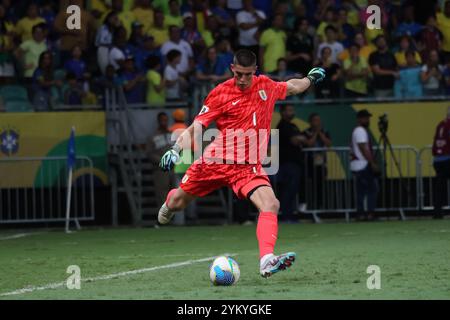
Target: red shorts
203,178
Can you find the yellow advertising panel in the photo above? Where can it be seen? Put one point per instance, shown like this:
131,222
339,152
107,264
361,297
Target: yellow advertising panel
46,134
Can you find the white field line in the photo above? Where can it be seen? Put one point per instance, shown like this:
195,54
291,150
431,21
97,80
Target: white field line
57,285
20,235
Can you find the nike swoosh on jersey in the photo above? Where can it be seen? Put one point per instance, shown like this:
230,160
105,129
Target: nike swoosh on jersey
235,102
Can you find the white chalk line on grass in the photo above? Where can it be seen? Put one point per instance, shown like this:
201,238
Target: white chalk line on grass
57,285
20,235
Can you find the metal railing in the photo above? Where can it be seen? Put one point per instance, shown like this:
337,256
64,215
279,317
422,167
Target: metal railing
44,198
328,185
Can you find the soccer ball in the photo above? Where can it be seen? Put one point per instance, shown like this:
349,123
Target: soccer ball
224,271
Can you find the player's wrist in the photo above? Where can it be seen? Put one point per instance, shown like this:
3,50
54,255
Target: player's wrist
176,148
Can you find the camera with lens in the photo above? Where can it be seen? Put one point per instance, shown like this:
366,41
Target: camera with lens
383,123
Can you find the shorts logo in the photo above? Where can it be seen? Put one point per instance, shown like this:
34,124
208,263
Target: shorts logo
185,178
205,109
263,95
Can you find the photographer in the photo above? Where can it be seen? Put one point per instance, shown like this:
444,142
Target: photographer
363,167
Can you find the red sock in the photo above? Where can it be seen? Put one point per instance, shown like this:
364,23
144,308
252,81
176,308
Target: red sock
169,195
267,232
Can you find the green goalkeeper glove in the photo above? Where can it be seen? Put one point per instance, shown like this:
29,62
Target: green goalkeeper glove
169,158
316,75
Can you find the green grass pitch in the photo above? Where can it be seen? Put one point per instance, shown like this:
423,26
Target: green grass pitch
414,257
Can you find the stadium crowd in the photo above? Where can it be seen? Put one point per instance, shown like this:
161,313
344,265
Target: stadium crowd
160,50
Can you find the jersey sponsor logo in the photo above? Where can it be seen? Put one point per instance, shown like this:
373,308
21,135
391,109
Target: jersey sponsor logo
262,94
185,178
205,109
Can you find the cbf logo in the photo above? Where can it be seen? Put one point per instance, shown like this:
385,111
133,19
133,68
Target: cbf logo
9,142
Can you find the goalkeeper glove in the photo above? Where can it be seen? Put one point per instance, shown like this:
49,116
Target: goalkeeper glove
316,75
169,158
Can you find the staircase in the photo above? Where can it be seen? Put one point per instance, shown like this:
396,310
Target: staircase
132,173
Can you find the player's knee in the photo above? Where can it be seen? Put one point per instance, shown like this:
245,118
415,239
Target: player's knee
271,205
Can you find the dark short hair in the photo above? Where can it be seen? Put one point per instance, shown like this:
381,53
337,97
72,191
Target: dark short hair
220,39
283,107
172,27
42,25
152,61
108,16
36,27
71,76
117,31
354,44
312,116
325,48
329,27
173,54
161,114
378,37
276,15
245,58
299,22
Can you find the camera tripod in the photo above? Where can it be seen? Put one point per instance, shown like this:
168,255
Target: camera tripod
386,146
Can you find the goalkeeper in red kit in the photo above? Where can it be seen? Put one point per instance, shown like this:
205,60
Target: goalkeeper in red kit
244,105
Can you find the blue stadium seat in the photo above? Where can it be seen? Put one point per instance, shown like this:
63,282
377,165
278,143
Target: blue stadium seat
13,93
18,106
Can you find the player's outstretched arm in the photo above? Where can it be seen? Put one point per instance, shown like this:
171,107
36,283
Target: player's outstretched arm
297,86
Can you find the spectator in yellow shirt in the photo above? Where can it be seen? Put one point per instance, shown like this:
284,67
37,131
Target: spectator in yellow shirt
329,19
126,17
6,45
443,21
98,8
405,46
128,5
272,44
6,31
30,51
156,95
25,25
158,31
173,18
364,49
143,13
211,31
163,5
356,71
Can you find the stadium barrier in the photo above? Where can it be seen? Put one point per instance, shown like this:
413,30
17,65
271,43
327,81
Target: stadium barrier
39,190
328,186
325,183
